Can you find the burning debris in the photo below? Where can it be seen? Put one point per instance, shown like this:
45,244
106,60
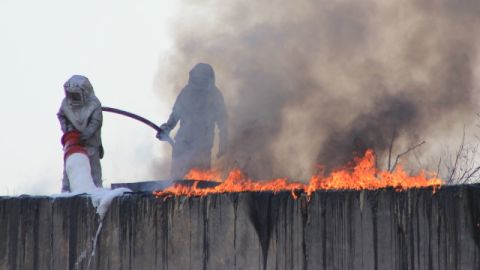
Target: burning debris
363,175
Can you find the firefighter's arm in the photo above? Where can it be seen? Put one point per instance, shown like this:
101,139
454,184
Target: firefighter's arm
94,124
65,124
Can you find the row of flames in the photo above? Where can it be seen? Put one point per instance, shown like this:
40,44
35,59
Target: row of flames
363,175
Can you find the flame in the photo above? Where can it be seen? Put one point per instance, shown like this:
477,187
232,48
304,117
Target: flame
363,175
366,176
207,175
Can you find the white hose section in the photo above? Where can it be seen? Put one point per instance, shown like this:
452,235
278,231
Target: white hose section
77,167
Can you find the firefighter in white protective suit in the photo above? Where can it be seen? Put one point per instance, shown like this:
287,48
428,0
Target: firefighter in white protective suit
82,111
198,108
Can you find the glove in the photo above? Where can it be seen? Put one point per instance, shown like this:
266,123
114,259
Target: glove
160,135
164,134
85,135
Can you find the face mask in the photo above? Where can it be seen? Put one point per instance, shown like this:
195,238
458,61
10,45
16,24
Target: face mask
75,98
199,81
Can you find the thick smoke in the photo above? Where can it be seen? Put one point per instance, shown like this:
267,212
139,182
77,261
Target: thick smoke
309,82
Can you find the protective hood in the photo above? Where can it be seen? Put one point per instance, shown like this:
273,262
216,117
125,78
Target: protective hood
78,90
201,75
80,101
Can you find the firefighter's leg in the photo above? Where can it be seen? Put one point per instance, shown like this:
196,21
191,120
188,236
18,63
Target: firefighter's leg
96,169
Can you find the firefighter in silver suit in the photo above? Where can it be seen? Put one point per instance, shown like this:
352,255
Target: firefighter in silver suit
199,107
82,111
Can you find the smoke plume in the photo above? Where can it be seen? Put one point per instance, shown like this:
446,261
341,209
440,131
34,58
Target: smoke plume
313,82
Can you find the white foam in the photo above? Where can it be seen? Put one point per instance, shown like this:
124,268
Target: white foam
102,198
77,167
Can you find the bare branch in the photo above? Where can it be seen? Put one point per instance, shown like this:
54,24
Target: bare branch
457,158
404,153
390,148
438,166
471,174
419,161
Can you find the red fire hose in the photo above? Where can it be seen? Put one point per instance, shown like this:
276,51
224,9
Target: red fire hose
72,144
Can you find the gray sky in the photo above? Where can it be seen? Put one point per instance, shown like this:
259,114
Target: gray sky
118,45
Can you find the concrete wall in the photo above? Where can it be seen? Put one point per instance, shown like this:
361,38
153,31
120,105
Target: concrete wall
370,230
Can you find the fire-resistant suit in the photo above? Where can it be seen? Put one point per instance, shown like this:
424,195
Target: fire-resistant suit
82,111
198,107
